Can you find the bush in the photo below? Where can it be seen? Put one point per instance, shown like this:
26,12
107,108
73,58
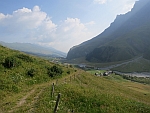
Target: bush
54,71
25,57
68,72
10,62
31,72
71,66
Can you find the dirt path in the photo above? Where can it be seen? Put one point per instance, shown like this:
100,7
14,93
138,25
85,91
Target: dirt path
31,97
22,101
31,110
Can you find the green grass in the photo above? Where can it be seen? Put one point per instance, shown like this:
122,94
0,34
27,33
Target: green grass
95,71
92,94
81,92
16,79
140,65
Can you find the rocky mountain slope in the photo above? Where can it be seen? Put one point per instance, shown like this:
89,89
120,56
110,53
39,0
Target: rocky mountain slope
127,37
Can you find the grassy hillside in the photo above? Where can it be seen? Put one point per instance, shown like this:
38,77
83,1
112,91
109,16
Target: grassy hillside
90,94
19,72
140,65
80,91
23,69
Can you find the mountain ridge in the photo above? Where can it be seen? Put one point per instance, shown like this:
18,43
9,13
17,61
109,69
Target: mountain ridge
127,27
34,49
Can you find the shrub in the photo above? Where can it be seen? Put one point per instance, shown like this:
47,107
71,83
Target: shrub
10,62
25,57
54,71
68,72
31,72
71,66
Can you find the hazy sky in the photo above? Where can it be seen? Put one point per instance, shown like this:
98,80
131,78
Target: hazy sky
57,23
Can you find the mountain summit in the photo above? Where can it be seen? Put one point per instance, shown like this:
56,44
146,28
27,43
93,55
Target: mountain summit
127,37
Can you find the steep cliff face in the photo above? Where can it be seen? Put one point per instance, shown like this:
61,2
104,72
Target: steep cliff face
128,36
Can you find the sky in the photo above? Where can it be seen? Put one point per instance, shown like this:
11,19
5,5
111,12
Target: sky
60,24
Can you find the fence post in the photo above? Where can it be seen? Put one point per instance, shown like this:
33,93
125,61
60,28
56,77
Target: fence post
70,78
56,81
53,89
58,98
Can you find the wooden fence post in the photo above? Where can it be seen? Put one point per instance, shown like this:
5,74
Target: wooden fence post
58,98
53,89
56,81
70,78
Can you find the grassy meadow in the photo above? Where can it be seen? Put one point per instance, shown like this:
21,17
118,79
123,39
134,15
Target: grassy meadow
26,87
84,93
140,65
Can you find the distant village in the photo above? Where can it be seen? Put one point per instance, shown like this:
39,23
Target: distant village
106,73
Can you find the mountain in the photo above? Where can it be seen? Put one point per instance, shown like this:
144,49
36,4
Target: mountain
127,37
35,49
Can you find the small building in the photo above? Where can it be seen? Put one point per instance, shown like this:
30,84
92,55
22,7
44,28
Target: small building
107,73
97,74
